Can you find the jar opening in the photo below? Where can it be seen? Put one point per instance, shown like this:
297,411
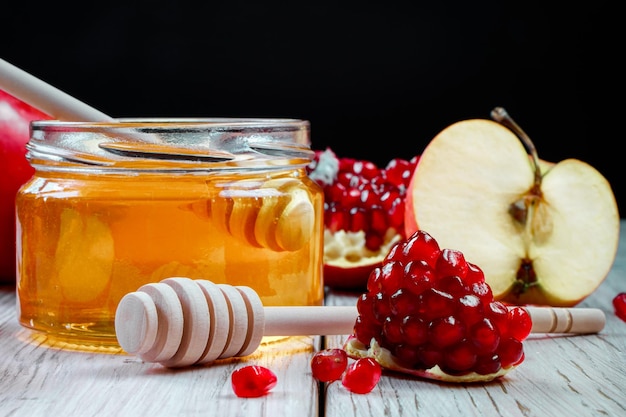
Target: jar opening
166,144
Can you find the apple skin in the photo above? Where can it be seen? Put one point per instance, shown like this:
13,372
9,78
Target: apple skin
15,118
462,192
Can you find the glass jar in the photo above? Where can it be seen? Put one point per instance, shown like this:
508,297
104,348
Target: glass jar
113,206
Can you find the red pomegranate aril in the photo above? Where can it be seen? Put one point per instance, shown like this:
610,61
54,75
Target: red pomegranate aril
392,274
488,364
351,198
374,279
398,171
407,355
402,303
414,330
329,364
458,358
451,262
498,313
252,381
435,304
474,274
365,306
619,305
373,241
335,219
485,336
451,284
362,376
364,331
418,276
446,331
471,309
358,220
382,308
378,221
520,323
510,351
392,331
395,215
430,356
421,246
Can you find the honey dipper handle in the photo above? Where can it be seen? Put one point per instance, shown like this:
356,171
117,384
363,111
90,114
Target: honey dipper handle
566,320
336,320
298,321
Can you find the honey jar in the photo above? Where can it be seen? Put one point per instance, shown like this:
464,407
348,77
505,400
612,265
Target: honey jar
114,206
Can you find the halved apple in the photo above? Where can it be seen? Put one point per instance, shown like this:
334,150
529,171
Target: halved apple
544,233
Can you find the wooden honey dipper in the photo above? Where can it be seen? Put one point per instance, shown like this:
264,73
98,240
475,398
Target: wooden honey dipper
180,322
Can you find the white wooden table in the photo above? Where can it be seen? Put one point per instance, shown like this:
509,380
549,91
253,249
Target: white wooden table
561,376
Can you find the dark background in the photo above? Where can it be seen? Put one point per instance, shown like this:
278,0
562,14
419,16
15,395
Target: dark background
376,80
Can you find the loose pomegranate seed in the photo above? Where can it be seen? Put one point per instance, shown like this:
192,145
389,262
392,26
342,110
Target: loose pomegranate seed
252,381
362,376
619,304
329,364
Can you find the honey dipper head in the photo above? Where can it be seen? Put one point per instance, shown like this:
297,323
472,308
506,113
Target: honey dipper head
179,322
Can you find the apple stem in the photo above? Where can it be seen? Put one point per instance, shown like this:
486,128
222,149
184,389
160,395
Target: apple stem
500,115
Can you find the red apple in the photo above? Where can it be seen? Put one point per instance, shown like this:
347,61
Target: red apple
15,118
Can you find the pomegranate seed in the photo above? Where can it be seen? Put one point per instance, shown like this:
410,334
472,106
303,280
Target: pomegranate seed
461,357
252,381
451,262
474,274
471,309
418,277
391,276
423,247
402,303
328,365
392,330
511,352
362,376
485,336
446,331
619,304
414,330
520,323
365,331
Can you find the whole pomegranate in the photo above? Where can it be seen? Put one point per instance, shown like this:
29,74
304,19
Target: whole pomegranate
15,118
363,214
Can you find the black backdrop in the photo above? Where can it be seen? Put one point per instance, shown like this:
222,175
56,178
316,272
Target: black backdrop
376,81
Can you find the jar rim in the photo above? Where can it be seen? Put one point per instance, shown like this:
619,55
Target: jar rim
178,122
196,144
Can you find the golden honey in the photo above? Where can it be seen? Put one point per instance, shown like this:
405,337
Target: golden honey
114,206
